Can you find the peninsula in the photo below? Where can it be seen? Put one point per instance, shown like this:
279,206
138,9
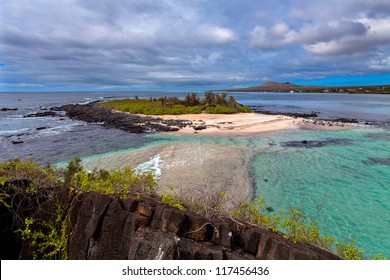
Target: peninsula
290,87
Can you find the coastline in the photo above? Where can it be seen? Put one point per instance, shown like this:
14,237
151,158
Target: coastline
247,124
214,168
195,169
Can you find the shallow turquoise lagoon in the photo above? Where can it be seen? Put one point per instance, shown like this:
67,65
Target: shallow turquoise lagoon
342,178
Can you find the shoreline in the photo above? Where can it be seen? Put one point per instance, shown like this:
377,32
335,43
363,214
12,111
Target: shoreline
247,124
214,168
239,124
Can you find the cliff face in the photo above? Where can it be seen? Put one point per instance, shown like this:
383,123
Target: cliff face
105,227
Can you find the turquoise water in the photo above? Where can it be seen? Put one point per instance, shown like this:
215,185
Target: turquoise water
347,180
342,178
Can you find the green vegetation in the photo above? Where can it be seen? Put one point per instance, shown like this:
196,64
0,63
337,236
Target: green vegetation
192,104
24,185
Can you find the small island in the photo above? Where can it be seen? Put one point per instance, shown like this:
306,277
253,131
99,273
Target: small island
217,114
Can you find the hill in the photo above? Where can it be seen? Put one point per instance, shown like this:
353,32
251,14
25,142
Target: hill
290,87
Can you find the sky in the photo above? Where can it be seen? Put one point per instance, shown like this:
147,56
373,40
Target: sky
109,45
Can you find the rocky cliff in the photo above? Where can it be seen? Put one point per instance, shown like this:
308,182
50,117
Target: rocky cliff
105,227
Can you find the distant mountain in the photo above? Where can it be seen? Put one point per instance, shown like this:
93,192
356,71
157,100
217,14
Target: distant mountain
278,85
290,87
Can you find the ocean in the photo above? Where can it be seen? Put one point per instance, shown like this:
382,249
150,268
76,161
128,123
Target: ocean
340,177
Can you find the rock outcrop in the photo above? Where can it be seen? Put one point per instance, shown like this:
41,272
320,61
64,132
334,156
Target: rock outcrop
92,113
105,227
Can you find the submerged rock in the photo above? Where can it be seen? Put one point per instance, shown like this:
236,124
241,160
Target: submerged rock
315,143
385,161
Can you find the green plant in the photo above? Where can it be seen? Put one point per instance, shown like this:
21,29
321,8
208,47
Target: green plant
378,257
212,103
301,228
48,239
254,213
172,201
349,251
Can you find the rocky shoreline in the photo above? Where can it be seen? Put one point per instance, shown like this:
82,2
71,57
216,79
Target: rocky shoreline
92,113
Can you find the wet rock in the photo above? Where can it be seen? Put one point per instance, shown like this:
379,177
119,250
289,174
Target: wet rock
93,113
41,114
345,120
8,109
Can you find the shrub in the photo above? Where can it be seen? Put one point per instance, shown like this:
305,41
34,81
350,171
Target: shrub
194,110
220,110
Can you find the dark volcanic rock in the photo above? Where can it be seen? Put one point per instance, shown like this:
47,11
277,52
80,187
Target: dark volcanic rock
17,142
105,227
93,113
41,114
258,109
8,109
41,128
345,120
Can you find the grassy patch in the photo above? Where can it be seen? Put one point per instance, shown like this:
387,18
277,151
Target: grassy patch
212,103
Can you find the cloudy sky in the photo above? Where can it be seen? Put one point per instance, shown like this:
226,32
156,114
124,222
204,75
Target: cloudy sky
198,44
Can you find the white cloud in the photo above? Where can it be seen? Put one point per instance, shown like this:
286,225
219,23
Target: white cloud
377,34
381,64
216,34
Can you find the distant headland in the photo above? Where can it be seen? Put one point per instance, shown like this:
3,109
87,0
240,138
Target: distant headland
290,87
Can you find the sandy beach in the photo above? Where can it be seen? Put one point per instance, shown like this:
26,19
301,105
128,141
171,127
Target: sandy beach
243,124
194,170
203,170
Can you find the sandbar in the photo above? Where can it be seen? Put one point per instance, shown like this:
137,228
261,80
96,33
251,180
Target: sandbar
243,124
193,170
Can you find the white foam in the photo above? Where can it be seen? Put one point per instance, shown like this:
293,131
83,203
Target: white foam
153,165
11,132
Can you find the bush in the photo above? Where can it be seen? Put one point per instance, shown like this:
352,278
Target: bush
194,110
220,110
212,103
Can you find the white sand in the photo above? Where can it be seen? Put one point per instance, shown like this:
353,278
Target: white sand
197,170
247,124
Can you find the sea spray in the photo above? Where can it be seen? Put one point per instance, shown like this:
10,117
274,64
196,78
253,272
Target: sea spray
152,165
